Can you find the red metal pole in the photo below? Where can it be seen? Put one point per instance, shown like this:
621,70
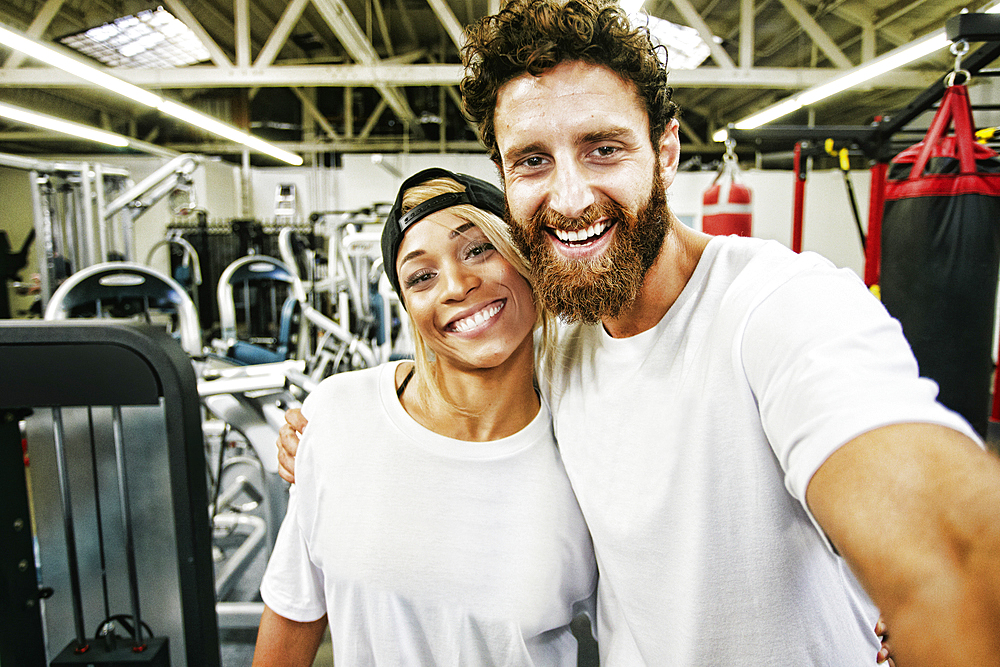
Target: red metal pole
800,195
876,205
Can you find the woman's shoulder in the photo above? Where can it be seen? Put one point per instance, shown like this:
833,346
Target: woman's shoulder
350,388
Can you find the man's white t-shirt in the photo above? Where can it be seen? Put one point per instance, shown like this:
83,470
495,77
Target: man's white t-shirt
425,550
690,447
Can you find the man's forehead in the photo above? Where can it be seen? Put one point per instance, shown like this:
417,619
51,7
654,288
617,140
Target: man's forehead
570,78
580,103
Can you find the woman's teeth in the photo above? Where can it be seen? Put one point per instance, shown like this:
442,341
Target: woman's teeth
577,236
474,321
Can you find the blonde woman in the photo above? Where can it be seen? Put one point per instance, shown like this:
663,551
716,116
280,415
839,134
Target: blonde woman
431,522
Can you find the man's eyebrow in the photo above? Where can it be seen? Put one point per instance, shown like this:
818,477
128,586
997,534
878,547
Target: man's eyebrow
611,134
517,152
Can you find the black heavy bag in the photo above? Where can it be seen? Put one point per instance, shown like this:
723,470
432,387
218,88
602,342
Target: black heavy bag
940,253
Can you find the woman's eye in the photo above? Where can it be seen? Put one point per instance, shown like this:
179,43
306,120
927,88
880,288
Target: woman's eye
480,248
418,278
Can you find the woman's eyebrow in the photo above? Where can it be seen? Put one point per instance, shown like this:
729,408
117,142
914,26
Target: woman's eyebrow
461,229
410,255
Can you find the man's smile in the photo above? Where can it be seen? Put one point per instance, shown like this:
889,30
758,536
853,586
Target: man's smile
582,236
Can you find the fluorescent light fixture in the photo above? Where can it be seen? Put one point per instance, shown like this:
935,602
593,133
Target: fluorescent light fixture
773,112
66,127
87,72
209,124
897,58
150,38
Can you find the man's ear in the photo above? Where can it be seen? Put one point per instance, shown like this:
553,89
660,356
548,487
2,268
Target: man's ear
670,152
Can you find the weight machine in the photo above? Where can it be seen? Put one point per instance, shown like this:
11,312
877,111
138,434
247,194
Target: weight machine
122,569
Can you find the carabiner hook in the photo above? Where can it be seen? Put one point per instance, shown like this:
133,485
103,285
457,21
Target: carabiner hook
730,155
958,49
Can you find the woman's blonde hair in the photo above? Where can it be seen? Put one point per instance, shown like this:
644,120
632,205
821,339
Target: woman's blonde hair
497,232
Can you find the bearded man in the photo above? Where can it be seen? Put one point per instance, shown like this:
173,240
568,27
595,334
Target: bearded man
745,428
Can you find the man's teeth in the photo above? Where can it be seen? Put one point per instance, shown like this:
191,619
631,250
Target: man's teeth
477,319
587,234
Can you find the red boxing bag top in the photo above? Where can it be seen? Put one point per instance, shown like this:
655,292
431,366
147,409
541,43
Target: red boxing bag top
727,206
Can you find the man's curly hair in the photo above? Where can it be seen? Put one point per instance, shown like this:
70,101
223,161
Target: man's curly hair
532,36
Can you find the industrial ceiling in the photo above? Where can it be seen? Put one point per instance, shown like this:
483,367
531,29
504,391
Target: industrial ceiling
325,77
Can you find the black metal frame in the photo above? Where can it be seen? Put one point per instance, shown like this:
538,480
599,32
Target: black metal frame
79,363
876,140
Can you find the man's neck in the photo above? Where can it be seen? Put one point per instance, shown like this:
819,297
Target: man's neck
664,282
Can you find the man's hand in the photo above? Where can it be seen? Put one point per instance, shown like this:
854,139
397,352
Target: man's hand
288,443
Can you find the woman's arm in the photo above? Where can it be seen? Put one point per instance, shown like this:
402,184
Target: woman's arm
285,643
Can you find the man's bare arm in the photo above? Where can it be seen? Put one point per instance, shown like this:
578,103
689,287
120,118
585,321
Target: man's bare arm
288,443
282,642
913,508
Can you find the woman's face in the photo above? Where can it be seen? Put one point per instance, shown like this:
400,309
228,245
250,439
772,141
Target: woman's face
472,308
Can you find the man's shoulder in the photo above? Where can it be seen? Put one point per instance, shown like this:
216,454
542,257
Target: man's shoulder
751,263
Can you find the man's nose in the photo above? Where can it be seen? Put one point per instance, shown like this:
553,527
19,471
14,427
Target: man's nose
571,192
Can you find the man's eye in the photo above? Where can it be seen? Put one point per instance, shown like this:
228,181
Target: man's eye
607,151
533,161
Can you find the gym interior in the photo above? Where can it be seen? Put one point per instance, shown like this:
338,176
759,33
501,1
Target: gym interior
169,292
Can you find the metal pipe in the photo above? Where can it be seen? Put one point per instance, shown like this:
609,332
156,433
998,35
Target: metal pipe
71,225
238,614
182,164
98,513
236,564
67,509
123,498
44,236
88,247
102,223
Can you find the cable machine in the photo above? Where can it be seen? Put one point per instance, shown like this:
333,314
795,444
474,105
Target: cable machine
66,199
85,213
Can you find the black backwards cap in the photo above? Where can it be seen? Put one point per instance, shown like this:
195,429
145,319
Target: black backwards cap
478,193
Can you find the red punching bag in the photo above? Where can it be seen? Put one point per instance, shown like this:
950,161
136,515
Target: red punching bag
726,204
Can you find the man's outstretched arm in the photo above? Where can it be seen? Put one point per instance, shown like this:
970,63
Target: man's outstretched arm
915,511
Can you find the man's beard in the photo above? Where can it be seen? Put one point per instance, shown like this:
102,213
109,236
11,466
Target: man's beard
587,290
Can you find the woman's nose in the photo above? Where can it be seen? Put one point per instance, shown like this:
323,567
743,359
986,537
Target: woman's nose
459,281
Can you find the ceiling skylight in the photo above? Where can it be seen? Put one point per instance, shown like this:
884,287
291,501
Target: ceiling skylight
152,38
685,47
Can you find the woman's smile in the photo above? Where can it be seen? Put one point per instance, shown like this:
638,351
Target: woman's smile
477,320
